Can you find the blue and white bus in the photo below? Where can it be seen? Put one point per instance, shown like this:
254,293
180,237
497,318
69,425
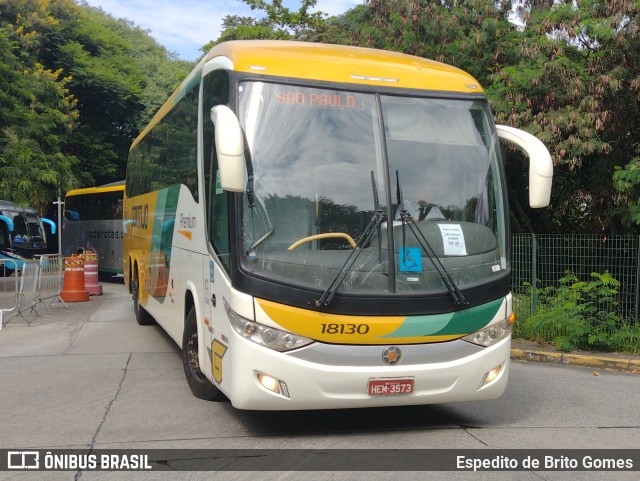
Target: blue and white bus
22,235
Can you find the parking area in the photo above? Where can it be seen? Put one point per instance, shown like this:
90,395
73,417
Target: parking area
61,371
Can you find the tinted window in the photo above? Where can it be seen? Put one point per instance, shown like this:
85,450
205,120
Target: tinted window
167,155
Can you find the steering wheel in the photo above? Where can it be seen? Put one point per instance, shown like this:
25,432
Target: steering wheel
327,235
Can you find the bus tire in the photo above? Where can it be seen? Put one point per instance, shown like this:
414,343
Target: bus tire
142,316
200,386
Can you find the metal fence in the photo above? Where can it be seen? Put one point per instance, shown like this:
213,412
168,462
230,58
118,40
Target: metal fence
38,282
9,290
50,281
540,261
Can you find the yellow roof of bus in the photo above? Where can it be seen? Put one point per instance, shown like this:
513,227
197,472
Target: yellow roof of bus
95,190
327,63
343,64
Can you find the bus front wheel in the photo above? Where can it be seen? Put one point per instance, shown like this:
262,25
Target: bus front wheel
200,386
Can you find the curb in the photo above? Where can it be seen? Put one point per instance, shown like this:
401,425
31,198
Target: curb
581,360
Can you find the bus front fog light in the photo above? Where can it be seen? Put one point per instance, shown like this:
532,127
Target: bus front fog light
273,384
491,375
269,382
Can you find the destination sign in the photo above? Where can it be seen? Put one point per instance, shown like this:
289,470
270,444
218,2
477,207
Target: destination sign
342,100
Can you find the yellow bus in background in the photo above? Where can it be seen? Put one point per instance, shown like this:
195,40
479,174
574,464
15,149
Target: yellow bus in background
323,226
93,220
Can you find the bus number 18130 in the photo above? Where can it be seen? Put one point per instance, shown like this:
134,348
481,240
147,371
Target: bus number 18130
344,328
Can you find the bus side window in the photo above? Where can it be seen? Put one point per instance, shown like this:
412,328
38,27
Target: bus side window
4,235
215,92
19,229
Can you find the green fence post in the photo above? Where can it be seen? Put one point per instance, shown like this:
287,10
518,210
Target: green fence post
534,273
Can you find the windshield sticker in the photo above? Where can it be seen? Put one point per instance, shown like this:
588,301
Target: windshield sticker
410,259
218,184
453,240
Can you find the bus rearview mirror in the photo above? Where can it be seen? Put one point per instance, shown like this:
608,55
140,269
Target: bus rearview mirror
51,223
540,163
230,149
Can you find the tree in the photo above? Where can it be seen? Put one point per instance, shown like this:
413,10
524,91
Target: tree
300,23
160,71
472,35
278,23
117,74
627,183
576,87
37,113
568,73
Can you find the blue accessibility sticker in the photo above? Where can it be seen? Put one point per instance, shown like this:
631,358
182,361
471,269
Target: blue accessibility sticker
410,259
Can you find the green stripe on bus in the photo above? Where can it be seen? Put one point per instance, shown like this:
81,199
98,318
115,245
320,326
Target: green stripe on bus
451,323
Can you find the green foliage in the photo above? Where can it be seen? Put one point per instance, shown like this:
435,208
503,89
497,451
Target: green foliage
76,86
580,315
627,182
298,22
159,71
575,85
568,74
37,113
279,23
249,32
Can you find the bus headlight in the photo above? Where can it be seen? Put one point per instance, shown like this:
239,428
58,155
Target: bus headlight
490,335
266,336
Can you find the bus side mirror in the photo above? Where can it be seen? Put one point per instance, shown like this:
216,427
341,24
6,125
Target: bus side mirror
540,163
8,221
51,223
230,149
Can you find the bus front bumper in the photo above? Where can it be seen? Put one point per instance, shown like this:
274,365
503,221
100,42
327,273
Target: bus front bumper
335,377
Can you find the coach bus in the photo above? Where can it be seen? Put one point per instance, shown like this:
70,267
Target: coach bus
325,226
93,220
22,235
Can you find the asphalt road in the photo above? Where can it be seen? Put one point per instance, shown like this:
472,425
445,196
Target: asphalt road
88,377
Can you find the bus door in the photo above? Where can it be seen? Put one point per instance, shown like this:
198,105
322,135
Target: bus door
216,342
216,282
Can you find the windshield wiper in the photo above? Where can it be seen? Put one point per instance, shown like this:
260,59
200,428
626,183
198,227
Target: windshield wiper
363,239
408,220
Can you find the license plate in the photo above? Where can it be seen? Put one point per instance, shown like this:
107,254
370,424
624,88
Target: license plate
390,387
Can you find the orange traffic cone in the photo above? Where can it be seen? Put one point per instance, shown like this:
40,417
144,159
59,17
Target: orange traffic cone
91,284
73,284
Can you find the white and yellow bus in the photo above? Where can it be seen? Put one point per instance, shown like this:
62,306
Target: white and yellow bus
324,226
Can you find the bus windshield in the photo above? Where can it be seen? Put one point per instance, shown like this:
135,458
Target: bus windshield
324,163
27,230
94,206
